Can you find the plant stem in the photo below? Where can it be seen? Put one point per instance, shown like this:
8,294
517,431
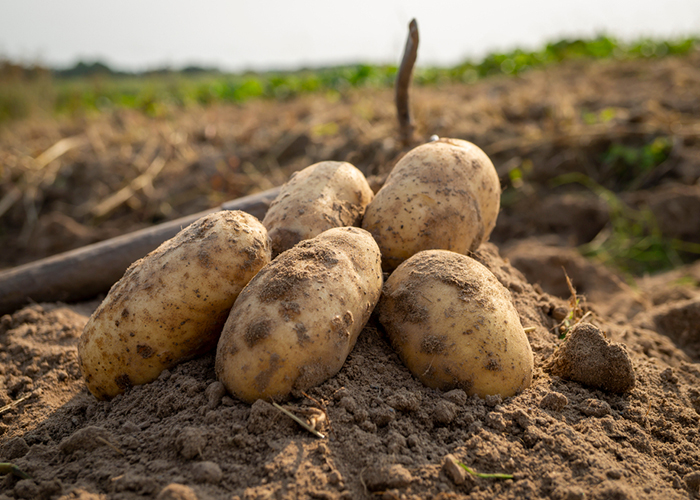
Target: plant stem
485,476
403,82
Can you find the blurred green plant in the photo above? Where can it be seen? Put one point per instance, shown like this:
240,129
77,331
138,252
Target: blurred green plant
629,162
632,241
94,87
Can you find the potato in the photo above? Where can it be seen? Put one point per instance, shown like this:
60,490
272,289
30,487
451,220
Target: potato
295,323
321,196
454,325
442,195
171,305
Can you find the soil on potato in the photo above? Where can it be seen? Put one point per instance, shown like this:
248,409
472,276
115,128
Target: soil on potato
386,435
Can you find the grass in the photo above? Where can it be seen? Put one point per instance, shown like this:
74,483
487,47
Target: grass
484,475
632,242
628,163
24,91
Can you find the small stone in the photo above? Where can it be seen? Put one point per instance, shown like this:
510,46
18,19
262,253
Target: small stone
207,472
456,473
554,401
614,473
176,492
214,393
560,313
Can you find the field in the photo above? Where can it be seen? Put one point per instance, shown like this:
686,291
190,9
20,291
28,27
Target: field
598,150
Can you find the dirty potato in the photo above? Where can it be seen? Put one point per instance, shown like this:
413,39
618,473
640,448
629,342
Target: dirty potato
322,196
295,323
171,305
454,325
442,195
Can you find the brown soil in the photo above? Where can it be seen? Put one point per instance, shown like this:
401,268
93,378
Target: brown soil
387,435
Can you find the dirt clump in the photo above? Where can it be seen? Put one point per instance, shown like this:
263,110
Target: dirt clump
589,358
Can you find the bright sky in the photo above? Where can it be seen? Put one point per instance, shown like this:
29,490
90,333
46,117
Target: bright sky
283,34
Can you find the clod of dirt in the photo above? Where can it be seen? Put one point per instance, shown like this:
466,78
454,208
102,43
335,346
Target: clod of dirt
87,439
692,480
589,358
680,321
14,448
207,472
444,413
384,478
595,408
554,401
176,491
191,442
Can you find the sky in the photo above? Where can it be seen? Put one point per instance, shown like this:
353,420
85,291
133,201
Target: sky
235,35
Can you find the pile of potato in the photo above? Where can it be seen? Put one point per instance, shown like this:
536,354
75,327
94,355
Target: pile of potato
285,300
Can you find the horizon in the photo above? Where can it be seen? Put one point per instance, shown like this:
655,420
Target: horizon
237,37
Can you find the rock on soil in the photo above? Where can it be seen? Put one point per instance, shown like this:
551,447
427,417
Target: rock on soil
588,357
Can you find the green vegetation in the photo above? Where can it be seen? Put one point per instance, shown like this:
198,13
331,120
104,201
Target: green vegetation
632,241
92,87
628,163
484,475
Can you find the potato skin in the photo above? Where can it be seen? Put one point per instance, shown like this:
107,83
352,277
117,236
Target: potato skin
442,195
295,323
321,196
454,325
171,305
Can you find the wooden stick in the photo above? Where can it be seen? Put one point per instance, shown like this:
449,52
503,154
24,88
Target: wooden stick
403,82
88,271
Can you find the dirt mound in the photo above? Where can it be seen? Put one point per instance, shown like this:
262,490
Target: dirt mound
387,434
